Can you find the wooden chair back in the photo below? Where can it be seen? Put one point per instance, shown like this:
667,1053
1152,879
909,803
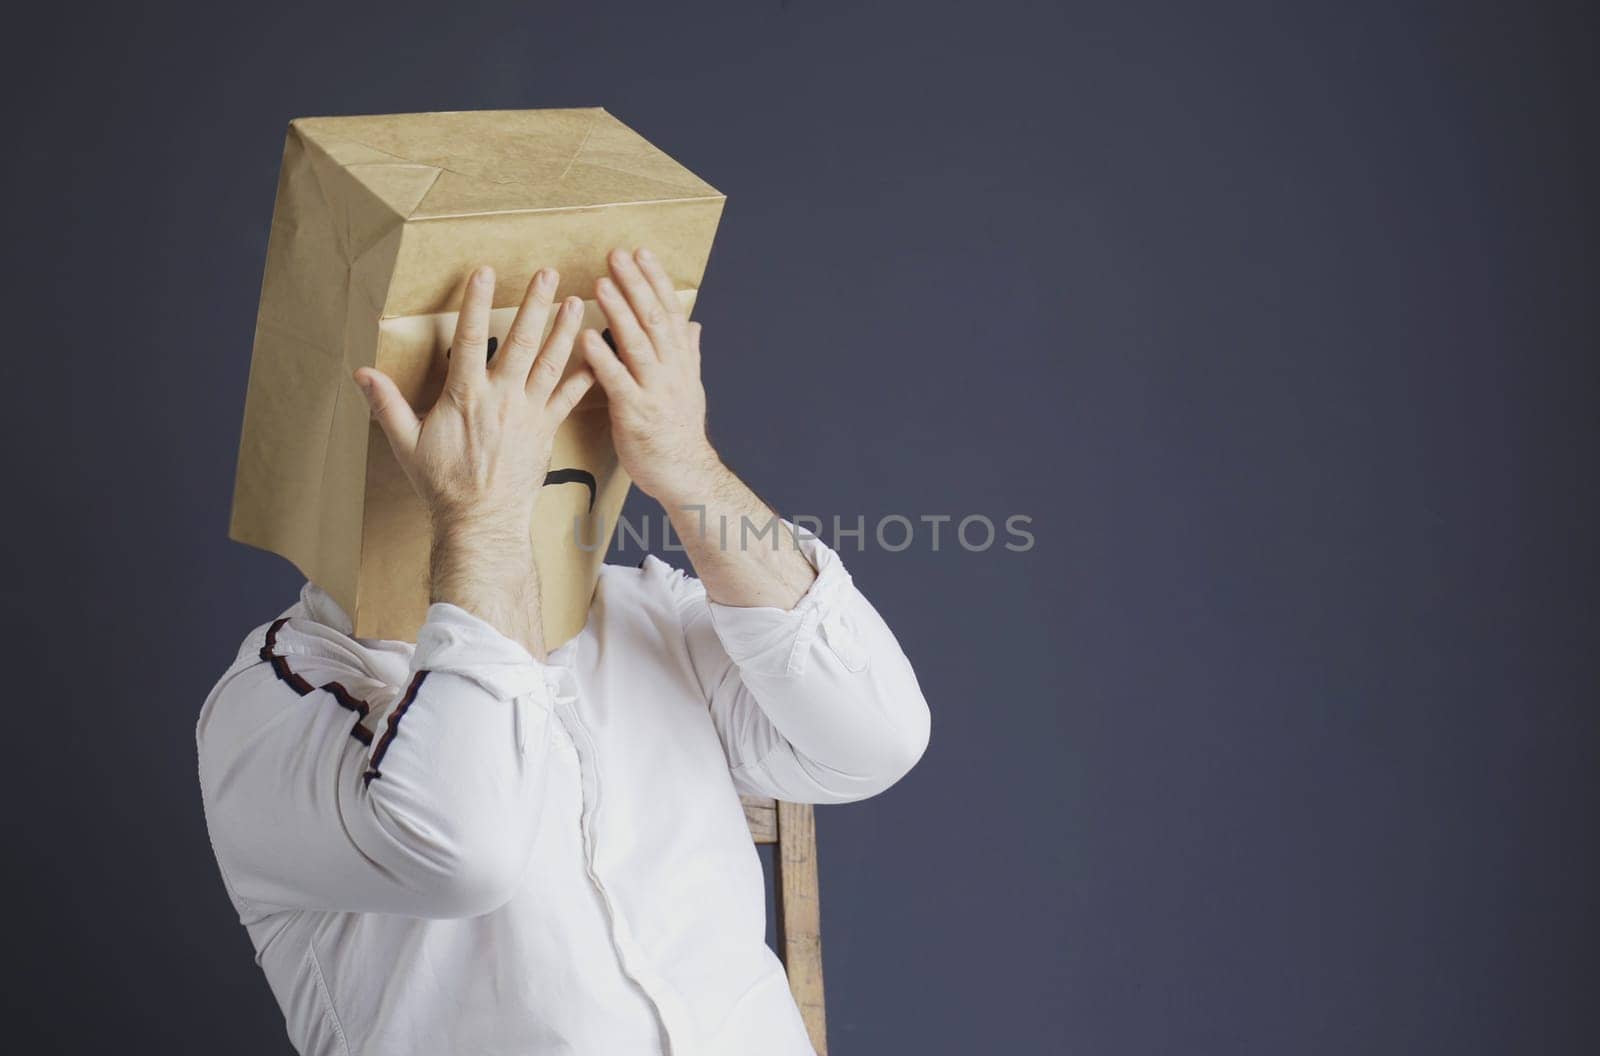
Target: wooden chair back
791,828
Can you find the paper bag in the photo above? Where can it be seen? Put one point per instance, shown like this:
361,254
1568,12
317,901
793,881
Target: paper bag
377,224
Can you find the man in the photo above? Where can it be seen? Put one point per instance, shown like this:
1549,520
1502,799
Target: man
475,845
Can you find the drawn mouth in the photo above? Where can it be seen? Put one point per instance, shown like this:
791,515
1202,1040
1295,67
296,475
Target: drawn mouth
573,476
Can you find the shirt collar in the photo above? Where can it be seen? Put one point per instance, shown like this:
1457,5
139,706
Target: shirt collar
320,606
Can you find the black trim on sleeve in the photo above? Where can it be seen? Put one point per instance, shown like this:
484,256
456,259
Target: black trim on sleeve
298,683
393,727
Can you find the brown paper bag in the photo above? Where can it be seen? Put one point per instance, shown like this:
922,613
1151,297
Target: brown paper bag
377,224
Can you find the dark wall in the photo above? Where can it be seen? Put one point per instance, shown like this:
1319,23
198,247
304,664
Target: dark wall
1277,319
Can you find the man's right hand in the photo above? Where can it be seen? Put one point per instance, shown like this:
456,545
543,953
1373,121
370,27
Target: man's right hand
478,457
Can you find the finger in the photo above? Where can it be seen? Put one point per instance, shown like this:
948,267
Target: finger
470,349
661,284
694,341
647,307
613,377
569,392
391,411
552,361
633,344
522,340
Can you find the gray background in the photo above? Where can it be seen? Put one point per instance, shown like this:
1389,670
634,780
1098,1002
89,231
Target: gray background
1276,318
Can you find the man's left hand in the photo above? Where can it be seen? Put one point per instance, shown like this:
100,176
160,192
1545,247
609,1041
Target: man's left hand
652,380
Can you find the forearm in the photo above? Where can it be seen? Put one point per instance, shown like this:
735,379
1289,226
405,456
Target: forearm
488,570
822,705
820,682
739,549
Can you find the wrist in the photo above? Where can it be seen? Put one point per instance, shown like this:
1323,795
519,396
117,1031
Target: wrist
692,482
481,549
500,534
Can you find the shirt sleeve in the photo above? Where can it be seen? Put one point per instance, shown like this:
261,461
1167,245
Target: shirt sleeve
326,789
814,704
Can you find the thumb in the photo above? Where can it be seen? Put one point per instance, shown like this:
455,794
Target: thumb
390,409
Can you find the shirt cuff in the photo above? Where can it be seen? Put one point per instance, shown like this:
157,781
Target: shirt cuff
453,640
776,642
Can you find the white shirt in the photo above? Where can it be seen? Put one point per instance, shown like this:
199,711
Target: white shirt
453,848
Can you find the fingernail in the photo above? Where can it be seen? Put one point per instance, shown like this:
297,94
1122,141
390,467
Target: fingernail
365,383
646,256
604,285
547,278
574,306
482,277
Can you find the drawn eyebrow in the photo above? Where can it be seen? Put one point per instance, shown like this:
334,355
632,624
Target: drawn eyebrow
573,476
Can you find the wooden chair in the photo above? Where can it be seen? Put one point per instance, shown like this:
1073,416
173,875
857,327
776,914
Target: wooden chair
792,827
